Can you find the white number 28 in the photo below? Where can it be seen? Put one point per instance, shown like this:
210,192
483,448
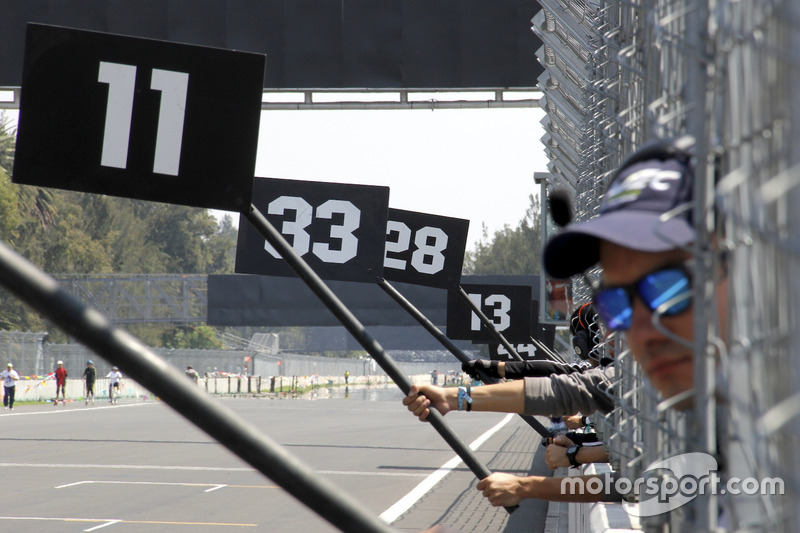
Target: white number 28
429,243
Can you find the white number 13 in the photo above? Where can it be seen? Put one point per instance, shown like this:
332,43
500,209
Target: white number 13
501,311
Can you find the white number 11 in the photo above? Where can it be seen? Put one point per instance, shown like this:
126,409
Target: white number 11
121,80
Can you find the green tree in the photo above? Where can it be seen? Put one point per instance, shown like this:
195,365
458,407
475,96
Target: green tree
38,213
68,232
7,143
181,233
511,251
10,217
67,246
13,313
192,338
221,247
115,222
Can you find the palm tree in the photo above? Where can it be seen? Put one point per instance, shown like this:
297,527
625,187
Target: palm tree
7,142
35,202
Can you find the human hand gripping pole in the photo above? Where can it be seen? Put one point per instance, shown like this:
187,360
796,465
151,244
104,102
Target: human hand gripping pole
481,374
357,330
476,368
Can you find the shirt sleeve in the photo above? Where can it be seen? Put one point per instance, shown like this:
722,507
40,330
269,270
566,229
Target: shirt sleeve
567,394
537,369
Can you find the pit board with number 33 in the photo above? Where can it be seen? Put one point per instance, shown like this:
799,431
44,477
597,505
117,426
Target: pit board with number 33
338,229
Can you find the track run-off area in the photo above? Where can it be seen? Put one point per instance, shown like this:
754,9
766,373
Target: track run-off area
140,466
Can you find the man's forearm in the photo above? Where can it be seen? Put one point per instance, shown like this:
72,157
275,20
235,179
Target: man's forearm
554,489
591,454
500,398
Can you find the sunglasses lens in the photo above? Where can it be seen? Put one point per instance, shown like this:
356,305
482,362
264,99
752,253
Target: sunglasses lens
667,292
614,307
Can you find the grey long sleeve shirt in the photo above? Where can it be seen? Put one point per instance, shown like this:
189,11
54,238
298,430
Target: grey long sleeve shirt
567,394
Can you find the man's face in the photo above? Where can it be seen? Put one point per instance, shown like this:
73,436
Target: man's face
667,363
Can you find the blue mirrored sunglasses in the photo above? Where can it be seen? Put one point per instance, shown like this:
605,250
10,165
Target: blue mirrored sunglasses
667,291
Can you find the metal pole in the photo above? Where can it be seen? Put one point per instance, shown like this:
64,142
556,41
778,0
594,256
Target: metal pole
452,348
553,355
357,330
699,96
143,365
489,325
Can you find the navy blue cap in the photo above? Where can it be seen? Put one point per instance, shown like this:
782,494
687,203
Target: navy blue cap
630,215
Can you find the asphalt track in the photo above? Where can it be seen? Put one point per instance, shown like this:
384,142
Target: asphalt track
138,467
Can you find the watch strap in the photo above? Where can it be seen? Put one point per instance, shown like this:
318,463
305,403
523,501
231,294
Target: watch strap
572,453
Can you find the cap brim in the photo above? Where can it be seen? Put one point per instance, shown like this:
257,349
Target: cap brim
577,248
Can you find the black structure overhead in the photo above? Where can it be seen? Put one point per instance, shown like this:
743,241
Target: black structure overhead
332,44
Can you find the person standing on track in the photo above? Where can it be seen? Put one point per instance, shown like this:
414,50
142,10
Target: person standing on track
115,380
89,376
61,382
10,377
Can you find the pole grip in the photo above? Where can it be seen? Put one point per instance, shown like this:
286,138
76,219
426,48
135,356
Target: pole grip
447,343
359,332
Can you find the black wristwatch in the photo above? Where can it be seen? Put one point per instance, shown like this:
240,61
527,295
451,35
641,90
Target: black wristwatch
572,451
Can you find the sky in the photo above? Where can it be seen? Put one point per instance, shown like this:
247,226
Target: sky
475,164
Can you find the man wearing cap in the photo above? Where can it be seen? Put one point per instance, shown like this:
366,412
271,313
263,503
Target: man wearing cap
10,378
61,382
641,239
114,380
89,376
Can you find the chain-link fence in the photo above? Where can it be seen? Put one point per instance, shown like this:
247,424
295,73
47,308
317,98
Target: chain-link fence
726,72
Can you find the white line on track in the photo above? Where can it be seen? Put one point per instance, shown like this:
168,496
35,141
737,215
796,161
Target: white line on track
109,523
105,522
404,504
61,411
128,467
379,474
199,469
214,486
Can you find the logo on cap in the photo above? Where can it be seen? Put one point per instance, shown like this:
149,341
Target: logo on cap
629,188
